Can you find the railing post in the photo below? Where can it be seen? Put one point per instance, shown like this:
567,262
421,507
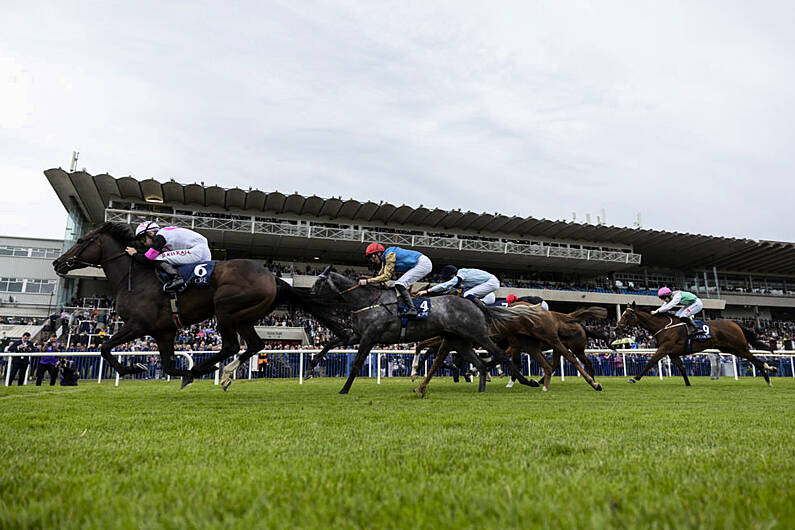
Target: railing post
562,375
370,365
734,359
101,365
27,373
659,368
251,361
378,368
218,375
300,367
8,370
118,358
624,362
792,365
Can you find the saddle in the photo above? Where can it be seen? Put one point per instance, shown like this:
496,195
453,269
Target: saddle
197,274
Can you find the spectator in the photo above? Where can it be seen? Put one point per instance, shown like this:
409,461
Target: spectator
19,365
69,375
48,363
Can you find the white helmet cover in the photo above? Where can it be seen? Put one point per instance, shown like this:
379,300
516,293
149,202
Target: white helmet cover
145,226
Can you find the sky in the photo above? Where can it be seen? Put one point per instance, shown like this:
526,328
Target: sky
680,111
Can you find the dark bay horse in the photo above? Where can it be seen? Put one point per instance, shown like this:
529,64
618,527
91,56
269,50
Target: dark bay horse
375,321
671,336
240,293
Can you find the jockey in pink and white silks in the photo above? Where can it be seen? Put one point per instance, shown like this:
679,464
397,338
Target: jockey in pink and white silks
688,303
169,246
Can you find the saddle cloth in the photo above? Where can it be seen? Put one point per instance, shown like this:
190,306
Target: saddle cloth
197,274
703,333
423,306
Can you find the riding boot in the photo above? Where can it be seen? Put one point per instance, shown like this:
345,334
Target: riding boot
175,280
405,297
691,324
477,301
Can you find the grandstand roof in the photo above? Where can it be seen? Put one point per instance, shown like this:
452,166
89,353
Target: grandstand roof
676,250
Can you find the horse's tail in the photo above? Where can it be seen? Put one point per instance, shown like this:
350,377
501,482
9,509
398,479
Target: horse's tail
586,313
598,335
753,340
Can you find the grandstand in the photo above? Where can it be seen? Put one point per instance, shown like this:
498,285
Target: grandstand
565,262
569,264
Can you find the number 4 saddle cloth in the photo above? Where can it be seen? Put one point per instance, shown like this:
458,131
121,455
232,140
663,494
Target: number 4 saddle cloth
197,274
423,306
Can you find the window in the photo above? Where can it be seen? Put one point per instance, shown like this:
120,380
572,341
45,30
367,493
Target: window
40,286
11,285
32,252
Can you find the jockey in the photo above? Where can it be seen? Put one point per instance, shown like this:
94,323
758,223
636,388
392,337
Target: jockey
475,283
689,304
414,266
511,298
170,246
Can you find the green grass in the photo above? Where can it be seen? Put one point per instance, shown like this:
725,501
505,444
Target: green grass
275,454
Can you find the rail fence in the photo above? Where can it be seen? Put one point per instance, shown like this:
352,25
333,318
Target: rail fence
283,364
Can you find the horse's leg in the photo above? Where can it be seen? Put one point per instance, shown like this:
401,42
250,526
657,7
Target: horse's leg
516,357
229,346
564,351
659,354
365,346
128,332
759,365
468,352
253,345
418,358
500,356
165,346
679,364
441,354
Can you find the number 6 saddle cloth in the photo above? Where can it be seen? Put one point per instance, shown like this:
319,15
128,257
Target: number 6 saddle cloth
197,274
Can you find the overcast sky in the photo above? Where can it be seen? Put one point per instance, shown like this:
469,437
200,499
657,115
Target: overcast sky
683,111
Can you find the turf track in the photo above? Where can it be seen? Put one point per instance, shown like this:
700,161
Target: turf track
275,454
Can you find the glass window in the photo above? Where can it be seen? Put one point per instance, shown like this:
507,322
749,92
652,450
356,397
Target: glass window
6,251
11,285
21,251
52,253
48,287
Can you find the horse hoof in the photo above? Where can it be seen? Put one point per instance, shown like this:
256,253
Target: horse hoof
545,389
225,384
598,387
139,368
534,383
186,380
632,380
509,385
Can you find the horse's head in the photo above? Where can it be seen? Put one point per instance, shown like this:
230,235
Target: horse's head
629,317
330,284
89,250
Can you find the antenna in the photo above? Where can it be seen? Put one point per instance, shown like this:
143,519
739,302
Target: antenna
73,165
637,223
588,218
604,217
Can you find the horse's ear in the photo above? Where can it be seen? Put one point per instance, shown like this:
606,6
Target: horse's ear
634,305
327,270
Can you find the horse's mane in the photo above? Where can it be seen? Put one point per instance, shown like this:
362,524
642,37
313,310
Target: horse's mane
118,231
585,313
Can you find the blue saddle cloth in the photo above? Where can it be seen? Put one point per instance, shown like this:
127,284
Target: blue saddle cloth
197,274
703,333
423,306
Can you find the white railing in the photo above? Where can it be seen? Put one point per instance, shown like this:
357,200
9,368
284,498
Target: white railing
376,358
349,233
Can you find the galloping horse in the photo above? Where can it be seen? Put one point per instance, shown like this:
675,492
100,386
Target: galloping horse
531,331
671,336
375,320
240,293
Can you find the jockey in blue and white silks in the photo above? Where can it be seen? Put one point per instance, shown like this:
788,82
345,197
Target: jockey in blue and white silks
414,266
169,246
688,303
474,283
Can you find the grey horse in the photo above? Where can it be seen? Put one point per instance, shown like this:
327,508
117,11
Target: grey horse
375,320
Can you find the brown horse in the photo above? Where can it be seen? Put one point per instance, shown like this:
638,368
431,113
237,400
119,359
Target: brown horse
532,334
240,293
671,336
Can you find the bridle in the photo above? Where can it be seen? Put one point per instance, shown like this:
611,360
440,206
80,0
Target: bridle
668,326
72,261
